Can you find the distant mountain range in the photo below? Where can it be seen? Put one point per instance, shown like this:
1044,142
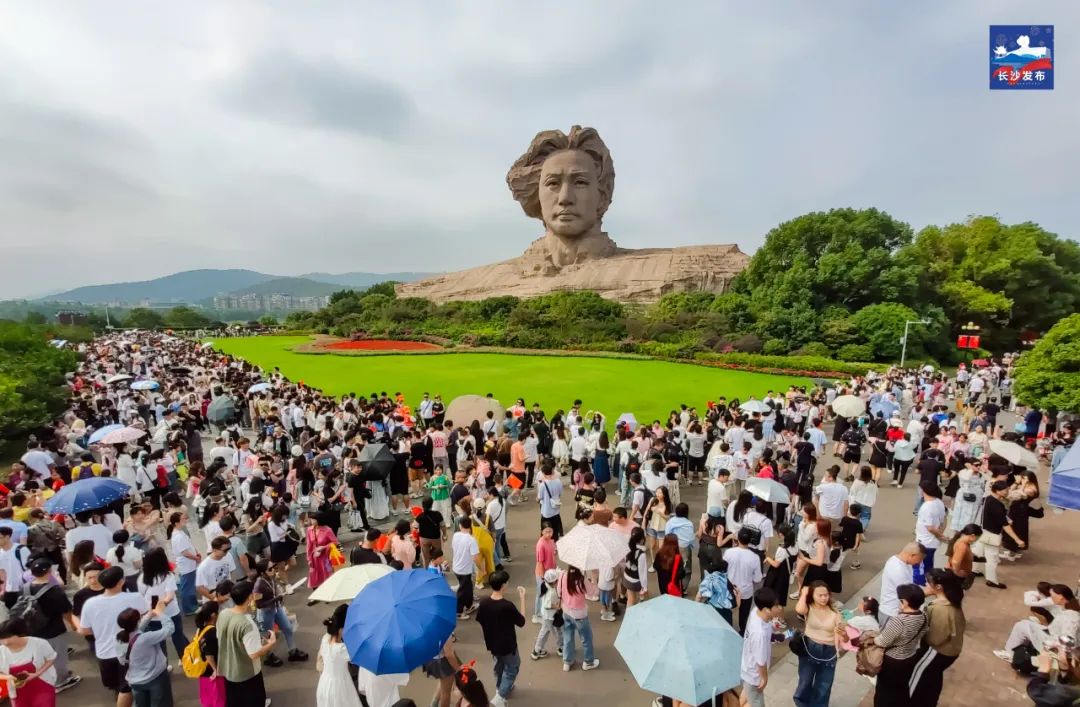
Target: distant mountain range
193,286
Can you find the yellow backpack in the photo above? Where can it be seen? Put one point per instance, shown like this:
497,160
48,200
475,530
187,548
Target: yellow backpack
192,661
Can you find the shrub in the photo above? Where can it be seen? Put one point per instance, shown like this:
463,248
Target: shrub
774,347
814,348
802,365
855,352
748,343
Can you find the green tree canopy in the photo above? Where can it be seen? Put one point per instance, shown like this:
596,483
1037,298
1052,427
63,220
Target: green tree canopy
142,318
1048,376
32,390
186,318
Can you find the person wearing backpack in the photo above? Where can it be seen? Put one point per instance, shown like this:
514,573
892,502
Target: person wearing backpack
45,607
141,650
201,655
13,561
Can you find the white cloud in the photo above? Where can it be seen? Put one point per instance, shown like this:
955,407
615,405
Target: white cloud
143,138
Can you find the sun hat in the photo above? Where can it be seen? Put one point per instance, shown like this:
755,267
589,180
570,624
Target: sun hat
551,576
297,450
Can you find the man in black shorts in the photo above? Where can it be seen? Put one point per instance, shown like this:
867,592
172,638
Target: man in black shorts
98,619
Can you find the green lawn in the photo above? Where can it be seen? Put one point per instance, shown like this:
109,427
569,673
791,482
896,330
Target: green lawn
649,389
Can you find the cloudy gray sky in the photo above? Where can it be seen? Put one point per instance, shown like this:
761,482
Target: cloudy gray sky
143,138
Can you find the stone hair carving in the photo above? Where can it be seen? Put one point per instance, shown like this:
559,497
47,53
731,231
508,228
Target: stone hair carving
524,176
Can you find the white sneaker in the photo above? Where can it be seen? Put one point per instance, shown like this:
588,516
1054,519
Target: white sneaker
591,666
652,569
498,701
537,620
1004,655
566,667
607,616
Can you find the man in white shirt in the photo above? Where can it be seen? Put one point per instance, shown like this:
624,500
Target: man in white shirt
929,529
897,571
37,460
832,496
13,562
757,646
744,573
466,557
215,568
220,449
756,518
579,448
98,619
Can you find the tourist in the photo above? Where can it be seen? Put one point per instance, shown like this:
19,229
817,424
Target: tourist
832,496
495,517
779,568
656,514
56,612
757,632
241,650
995,524
211,684
718,592
744,571
900,637
498,617
904,451
944,636
466,561
897,572
187,561
1022,494
1065,623
635,568
335,688
270,612
548,599
929,529
669,567
157,585
214,569
144,655
818,648
571,587
30,660
864,492
550,496
98,619
430,526
960,558
320,539
472,690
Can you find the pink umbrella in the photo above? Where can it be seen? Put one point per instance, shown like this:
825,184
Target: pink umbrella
123,436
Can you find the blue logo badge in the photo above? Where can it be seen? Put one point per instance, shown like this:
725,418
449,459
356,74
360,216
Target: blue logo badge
1021,57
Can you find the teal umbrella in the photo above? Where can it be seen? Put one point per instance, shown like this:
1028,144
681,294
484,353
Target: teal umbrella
680,648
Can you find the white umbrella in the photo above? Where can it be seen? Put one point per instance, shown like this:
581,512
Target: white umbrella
207,345
145,385
259,387
753,406
119,378
1020,456
346,583
123,436
768,490
848,406
592,547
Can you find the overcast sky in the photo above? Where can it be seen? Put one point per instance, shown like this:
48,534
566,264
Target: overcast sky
143,138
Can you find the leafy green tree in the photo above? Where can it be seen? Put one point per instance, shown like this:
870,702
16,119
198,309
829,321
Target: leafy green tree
669,306
142,318
881,327
1048,376
32,384
1008,279
185,318
268,320
35,317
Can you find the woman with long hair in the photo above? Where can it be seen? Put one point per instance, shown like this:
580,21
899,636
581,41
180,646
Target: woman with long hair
484,540
601,463
142,649
283,540
944,636
1022,494
158,585
319,541
187,561
270,611
210,521
820,645
82,553
961,558
817,564
669,566
657,512
402,547
736,510
472,690
635,570
211,684
571,588
336,687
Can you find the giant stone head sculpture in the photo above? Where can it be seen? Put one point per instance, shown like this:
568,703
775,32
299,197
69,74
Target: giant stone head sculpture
566,181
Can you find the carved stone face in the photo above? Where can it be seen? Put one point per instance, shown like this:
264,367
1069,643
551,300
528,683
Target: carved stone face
570,194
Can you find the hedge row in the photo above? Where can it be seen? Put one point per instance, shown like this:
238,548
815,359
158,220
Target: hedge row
798,365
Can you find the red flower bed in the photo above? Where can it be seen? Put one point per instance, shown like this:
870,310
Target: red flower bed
382,345
777,371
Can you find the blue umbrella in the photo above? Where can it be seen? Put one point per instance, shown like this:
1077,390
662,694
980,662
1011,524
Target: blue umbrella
98,434
680,648
145,385
400,621
86,495
1065,481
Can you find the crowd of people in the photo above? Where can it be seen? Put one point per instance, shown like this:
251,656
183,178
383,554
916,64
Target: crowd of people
244,479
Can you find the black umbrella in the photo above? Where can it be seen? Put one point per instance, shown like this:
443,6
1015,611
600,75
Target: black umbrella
222,411
377,461
180,370
824,383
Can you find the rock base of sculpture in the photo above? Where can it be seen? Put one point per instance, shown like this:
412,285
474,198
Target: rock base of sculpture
626,276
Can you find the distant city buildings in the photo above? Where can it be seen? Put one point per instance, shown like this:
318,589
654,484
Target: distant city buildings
276,302
70,318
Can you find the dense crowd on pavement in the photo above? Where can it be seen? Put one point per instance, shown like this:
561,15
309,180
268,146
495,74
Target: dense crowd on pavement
242,485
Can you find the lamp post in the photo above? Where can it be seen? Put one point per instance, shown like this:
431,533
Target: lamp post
903,341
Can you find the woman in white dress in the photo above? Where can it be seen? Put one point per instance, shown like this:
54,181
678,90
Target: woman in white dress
378,506
560,450
969,497
335,688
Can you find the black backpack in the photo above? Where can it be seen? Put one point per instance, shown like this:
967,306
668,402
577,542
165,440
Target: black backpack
26,608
